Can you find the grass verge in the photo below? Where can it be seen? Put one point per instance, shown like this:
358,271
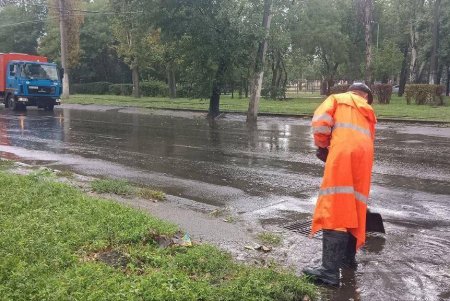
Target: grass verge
270,238
397,109
57,243
114,186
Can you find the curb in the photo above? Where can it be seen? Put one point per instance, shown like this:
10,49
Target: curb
387,119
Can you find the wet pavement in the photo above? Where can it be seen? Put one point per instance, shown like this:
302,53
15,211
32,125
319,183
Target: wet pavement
267,176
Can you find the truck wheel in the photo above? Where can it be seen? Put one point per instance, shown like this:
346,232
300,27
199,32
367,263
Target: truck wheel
49,107
11,103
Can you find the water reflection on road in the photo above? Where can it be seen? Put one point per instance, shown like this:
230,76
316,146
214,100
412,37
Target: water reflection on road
267,174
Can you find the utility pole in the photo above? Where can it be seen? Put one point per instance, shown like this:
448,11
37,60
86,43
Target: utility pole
64,52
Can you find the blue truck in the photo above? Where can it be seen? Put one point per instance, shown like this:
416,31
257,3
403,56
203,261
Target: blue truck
29,80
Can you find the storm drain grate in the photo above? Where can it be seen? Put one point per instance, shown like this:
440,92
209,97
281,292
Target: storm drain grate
303,228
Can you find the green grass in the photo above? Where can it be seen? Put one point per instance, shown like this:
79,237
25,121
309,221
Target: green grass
151,194
270,238
54,240
304,105
119,187
66,174
6,164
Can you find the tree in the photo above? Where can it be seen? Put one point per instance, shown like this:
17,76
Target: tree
252,113
435,42
387,62
70,17
133,30
21,25
319,30
365,10
214,38
98,58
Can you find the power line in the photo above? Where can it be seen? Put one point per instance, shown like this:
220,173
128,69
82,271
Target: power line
90,11
25,22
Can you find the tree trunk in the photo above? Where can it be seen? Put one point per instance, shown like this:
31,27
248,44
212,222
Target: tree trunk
403,73
171,81
368,9
232,89
135,78
323,87
413,41
435,44
420,72
448,81
214,101
252,113
275,77
64,51
285,79
241,86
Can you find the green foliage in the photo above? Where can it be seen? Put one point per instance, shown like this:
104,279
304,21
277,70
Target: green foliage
6,164
387,62
215,39
118,187
52,236
424,94
98,59
339,89
148,88
121,89
382,92
152,194
270,238
154,88
17,35
91,88
321,31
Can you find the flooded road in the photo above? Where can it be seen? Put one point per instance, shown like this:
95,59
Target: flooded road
267,175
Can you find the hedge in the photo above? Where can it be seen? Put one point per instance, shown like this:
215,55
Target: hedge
154,88
382,93
424,94
339,89
90,88
121,89
148,88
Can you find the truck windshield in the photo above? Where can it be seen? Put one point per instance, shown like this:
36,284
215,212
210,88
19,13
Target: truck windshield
38,71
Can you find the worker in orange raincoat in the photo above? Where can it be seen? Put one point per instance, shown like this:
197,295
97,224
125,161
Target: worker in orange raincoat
344,130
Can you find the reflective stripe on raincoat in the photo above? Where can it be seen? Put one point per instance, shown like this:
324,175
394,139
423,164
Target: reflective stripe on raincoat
344,123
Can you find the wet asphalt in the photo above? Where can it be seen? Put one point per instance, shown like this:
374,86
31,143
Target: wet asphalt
267,175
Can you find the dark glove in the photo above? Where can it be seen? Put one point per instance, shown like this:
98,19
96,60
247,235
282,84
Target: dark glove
322,153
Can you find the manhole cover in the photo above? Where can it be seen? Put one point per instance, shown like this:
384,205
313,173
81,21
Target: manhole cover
303,228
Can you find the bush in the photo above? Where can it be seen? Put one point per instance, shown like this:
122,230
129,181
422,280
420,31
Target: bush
382,93
424,94
154,88
91,88
121,89
339,89
185,91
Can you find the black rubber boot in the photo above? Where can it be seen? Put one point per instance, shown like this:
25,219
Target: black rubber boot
334,248
350,252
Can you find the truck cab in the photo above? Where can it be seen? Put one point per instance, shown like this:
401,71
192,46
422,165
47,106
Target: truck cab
27,80
33,84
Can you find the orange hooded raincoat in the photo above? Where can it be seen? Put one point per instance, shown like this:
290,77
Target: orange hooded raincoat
345,123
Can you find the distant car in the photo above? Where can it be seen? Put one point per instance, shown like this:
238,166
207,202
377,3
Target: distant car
395,89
